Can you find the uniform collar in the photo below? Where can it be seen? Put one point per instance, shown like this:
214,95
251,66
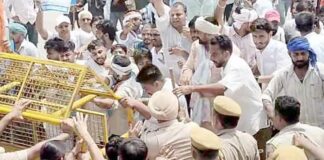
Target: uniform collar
226,131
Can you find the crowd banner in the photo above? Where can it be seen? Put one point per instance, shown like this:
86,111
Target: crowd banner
57,5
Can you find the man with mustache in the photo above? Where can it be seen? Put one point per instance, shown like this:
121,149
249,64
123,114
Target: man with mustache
302,80
237,82
171,23
271,55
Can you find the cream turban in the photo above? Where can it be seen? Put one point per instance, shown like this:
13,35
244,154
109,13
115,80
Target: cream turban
163,105
245,16
85,14
121,70
206,27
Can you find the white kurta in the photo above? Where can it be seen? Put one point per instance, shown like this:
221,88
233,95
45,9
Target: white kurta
204,73
310,92
158,60
290,29
182,99
241,86
171,38
28,49
316,43
83,37
262,6
118,122
245,44
131,39
274,57
285,136
200,7
280,35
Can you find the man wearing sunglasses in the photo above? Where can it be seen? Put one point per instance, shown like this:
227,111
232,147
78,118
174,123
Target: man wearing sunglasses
84,34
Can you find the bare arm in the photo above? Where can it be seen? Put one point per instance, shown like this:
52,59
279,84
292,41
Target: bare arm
34,151
137,105
80,123
265,79
5,121
40,25
106,103
210,90
219,12
301,141
15,113
159,6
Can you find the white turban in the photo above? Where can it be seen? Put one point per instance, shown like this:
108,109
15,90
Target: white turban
245,16
206,27
163,105
123,71
131,16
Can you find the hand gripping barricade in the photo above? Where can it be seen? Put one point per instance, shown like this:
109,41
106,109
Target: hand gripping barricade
57,90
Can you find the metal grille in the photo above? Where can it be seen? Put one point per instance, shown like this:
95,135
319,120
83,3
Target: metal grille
26,133
55,89
51,87
97,126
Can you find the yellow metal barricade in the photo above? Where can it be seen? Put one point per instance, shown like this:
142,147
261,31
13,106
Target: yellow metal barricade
21,134
56,89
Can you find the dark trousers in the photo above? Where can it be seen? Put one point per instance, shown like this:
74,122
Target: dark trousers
262,137
228,11
32,33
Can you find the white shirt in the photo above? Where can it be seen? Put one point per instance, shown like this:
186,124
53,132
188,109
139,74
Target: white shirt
98,69
262,6
290,29
200,7
170,38
158,60
285,136
17,155
241,86
245,44
310,93
24,9
273,57
73,38
280,35
118,122
83,37
182,100
316,43
28,49
131,39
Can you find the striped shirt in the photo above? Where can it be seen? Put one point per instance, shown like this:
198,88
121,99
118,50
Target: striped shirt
310,92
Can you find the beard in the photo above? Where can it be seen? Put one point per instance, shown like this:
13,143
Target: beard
147,41
300,64
202,42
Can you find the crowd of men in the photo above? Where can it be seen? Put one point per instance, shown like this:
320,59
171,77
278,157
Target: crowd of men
224,79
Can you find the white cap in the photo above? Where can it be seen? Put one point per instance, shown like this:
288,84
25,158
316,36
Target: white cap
61,19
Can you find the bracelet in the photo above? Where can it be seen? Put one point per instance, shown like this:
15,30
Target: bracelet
222,7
